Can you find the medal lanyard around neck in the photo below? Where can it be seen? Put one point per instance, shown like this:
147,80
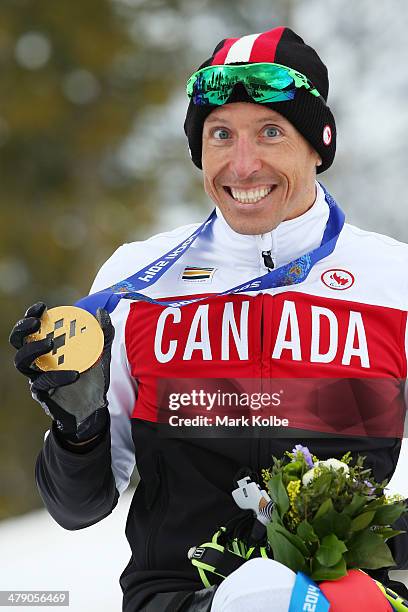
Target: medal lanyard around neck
292,273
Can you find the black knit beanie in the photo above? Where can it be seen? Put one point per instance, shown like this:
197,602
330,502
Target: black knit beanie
309,114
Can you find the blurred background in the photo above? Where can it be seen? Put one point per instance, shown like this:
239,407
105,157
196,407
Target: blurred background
93,153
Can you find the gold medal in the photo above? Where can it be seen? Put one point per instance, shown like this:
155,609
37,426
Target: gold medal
78,339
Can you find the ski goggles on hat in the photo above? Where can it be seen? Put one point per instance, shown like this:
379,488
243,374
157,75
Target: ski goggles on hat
264,82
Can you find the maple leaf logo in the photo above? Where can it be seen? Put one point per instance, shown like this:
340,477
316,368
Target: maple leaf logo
340,280
337,279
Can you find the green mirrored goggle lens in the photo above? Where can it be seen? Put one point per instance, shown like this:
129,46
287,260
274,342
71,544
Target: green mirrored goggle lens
263,82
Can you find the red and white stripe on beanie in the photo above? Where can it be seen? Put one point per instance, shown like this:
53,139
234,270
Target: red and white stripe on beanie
251,48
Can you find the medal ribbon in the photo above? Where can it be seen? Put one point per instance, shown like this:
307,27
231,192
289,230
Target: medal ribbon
306,595
290,274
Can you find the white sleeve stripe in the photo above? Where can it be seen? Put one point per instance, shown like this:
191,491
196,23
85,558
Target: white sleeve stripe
121,397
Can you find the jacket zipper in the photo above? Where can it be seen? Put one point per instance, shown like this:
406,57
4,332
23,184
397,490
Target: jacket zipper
268,261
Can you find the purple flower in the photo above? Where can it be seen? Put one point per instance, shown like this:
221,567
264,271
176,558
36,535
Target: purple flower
370,486
305,452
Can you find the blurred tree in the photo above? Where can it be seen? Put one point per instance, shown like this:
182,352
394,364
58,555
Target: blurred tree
74,79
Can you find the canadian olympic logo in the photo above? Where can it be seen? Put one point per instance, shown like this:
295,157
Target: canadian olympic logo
327,135
337,279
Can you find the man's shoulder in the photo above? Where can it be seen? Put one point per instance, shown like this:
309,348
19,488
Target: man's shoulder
132,256
376,257
373,240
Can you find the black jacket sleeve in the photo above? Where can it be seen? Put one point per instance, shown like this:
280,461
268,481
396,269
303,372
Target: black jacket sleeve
399,544
78,489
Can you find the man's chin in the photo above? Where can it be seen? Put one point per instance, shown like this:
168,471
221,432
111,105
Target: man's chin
248,227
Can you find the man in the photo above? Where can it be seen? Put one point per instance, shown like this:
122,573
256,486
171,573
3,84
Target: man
260,128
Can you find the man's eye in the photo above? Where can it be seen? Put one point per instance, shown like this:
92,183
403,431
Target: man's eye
272,132
220,134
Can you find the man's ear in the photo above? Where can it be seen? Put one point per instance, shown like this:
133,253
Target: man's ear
318,162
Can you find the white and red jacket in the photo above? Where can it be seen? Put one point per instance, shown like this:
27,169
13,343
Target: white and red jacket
346,320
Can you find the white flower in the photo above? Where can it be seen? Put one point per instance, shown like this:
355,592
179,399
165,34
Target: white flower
332,463
309,475
335,464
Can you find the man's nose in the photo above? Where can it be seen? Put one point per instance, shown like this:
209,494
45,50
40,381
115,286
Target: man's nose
245,158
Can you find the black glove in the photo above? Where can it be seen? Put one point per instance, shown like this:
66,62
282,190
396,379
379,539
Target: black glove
76,402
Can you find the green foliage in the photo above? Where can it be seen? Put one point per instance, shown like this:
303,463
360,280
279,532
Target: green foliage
368,549
330,551
331,518
284,550
278,493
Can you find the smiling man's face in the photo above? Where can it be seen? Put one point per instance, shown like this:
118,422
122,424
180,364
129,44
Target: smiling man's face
258,169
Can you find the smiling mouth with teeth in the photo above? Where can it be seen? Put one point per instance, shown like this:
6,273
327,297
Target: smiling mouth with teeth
249,195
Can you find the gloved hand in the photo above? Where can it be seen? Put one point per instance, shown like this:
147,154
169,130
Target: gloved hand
76,402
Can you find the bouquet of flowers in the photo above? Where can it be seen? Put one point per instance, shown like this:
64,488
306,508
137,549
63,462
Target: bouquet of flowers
329,516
